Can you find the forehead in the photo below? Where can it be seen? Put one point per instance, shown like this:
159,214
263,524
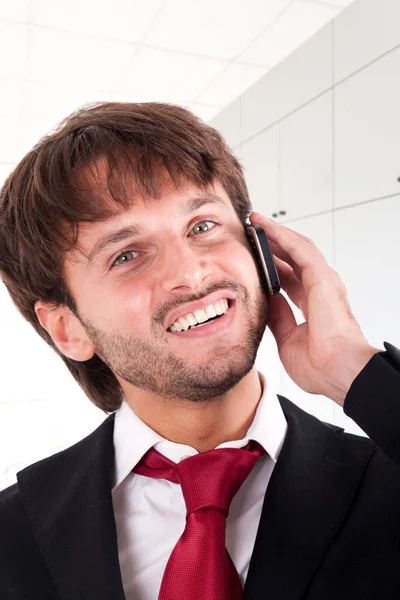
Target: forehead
144,215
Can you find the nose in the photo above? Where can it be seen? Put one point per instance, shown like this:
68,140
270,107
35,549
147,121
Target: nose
184,266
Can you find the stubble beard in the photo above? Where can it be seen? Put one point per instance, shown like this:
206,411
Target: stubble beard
153,367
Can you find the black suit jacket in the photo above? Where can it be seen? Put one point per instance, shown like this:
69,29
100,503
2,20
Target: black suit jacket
329,528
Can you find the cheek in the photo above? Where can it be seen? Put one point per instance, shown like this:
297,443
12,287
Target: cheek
129,307
113,307
242,261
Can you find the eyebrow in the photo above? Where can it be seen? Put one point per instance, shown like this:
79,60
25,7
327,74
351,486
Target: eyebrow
130,231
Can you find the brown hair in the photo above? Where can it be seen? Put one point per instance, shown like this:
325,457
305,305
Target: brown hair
42,202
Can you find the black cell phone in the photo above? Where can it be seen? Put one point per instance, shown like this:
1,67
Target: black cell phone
264,258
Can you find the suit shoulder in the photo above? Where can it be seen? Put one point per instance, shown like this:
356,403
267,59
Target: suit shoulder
10,497
23,572
381,465
75,452
10,501
14,525
362,439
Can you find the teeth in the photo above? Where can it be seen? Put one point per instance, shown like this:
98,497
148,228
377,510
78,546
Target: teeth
211,312
183,323
220,307
200,316
191,319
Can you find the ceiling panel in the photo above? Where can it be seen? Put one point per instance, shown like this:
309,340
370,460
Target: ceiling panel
12,145
298,23
11,91
33,129
62,54
45,100
19,135
231,83
123,19
168,76
219,29
77,59
204,111
13,49
15,10
341,3
5,170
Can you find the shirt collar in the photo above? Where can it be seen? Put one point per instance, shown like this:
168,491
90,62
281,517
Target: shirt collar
133,438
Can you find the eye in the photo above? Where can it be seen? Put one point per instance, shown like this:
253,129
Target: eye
123,258
119,262
200,223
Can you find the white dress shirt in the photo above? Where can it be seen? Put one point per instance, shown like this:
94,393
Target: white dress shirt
150,513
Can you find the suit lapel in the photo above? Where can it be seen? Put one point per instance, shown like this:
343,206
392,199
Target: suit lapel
308,496
68,500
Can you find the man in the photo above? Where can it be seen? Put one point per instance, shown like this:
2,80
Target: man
122,242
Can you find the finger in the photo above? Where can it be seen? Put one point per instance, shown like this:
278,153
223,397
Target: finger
276,248
298,251
323,286
284,256
334,315
291,284
281,320
258,217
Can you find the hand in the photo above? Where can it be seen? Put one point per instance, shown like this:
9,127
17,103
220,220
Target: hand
326,353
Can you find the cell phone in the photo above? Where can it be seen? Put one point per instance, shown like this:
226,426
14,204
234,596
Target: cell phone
264,258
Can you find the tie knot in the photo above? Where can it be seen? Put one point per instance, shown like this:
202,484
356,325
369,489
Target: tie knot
209,479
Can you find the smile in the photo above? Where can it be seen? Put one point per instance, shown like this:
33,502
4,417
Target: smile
198,318
212,326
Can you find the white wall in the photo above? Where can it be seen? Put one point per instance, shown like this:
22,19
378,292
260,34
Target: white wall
319,137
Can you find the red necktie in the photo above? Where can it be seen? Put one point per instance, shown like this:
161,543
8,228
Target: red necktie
200,567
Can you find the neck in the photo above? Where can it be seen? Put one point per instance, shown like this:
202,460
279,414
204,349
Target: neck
202,426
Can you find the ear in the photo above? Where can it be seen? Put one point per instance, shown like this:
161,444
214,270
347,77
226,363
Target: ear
65,330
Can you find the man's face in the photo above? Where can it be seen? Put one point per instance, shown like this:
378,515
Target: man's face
127,292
